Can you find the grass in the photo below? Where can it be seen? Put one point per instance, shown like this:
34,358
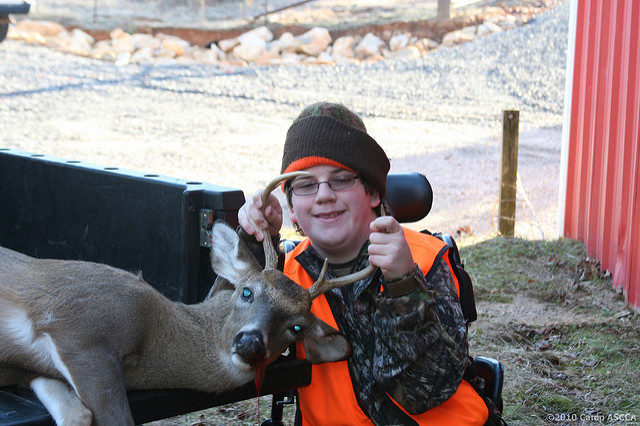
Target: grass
569,345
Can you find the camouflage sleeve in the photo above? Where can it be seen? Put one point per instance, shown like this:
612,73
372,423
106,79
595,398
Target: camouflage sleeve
421,347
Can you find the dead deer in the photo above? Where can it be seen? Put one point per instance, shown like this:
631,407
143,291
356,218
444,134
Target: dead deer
82,333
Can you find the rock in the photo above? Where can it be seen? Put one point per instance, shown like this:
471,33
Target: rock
457,37
369,45
117,33
218,52
140,41
57,43
103,50
274,47
473,30
314,41
508,22
250,49
256,46
409,52
288,43
28,36
343,46
309,60
44,28
398,41
488,27
374,58
164,53
122,43
82,37
142,56
174,44
325,58
123,58
343,60
103,45
52,28
66,42
228,44
262,32
426,44
267,58
13,33
291,58
206,56
78,44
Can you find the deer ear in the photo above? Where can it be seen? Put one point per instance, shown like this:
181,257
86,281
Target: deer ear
323,343
230,257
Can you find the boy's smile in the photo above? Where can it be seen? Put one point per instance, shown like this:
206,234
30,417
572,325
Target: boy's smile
337,222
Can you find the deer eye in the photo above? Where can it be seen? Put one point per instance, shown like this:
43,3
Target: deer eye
247,294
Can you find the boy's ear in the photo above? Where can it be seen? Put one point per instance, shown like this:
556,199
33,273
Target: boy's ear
375,199
292,215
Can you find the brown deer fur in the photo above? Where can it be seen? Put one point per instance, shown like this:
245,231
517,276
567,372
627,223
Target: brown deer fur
82,333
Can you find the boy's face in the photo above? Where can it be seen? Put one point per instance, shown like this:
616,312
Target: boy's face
337,222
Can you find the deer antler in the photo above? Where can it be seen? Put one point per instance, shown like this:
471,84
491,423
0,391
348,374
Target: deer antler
322,285
270,254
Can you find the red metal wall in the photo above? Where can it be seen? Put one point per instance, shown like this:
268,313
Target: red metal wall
603,151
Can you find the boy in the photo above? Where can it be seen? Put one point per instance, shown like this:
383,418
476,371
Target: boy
404,323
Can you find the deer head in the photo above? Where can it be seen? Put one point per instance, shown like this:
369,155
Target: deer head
273,311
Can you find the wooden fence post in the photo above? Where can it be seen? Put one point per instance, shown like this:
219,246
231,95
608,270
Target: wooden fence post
509,171
444,10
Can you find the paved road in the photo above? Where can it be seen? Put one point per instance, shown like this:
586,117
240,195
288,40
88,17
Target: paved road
439,115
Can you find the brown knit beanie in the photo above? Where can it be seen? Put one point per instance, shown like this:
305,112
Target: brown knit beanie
331,134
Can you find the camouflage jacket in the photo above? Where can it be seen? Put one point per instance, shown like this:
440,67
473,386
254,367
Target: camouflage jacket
411,346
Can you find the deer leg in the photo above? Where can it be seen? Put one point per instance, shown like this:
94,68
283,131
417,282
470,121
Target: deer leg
61,401
99,382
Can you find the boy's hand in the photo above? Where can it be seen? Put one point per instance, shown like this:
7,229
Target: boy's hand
389,249
253,222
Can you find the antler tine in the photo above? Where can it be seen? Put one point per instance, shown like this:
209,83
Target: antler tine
270,254
322,285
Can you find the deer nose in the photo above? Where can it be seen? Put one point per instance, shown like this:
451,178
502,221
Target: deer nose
249,346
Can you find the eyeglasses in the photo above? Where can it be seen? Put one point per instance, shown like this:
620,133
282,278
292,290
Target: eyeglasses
304,187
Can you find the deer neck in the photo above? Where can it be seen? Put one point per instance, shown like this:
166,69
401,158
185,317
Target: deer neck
182,350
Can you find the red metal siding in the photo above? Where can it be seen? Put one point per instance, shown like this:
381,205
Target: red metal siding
603,151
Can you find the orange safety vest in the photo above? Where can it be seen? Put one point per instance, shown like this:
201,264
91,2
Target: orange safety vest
330,398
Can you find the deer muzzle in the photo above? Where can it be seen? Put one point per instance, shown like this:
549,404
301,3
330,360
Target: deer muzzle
249,346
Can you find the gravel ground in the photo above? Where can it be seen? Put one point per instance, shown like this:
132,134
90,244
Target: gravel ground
439,115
